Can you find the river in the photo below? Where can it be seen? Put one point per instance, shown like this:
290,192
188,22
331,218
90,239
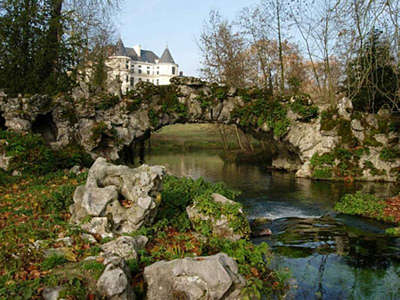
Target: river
329,256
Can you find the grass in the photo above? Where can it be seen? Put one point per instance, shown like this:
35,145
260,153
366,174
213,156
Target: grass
193,137
36,208
31,209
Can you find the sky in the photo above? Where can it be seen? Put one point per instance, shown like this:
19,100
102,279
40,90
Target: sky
154,24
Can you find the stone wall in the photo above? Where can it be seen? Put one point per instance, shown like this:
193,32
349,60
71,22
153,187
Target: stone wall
108,126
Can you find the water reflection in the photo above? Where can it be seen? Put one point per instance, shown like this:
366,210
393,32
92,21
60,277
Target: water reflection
330,256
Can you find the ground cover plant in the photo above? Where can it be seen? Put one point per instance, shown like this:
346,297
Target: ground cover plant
39,247
367,205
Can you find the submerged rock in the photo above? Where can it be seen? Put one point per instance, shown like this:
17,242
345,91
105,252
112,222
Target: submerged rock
116,198
211,277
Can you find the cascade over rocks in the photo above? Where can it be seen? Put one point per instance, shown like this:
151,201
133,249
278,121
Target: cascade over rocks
116,198
106,126
210,277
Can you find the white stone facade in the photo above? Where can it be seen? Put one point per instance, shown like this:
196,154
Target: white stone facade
132,65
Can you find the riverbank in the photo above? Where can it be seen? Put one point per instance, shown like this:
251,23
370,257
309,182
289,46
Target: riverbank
367,205
42,251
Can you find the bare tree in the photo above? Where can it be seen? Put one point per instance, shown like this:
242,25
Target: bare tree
222,52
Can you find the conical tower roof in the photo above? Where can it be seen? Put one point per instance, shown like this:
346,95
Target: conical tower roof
166,57
120,49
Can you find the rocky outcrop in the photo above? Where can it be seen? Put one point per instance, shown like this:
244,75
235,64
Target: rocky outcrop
106,126
211,277
227,221
116,198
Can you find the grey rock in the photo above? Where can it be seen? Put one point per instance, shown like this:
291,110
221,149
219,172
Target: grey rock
356,125
129,197
98,225
114,284
125,246
210,277
345,108
75,170
5,161
52,293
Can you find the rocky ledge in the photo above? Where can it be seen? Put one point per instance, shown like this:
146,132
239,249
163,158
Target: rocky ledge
316,142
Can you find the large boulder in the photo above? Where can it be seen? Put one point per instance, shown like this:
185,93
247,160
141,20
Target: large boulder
227,220
116,198
211,277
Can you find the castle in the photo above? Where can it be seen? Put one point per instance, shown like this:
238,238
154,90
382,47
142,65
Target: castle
132,65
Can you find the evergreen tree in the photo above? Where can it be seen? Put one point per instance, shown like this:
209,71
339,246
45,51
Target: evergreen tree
28,63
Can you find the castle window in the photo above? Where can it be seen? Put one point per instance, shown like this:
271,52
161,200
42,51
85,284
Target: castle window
127,78
148,80
148,72
132,81
158,72
173,70
140,71
158,81
140,79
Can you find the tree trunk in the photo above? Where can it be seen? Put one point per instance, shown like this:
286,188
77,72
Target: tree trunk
282,82
55,33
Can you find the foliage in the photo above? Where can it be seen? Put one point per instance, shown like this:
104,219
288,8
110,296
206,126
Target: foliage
263,110
106,101
341,162
389,154
361,204
300,106
394,231
253,263
371,78
322,173
32,58
53,261
178,193
31,155
27,214
153,118
328,119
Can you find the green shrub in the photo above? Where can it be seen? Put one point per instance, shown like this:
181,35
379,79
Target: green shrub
53,261
394,231
322,173
107,101
361,204
264,110
178,193
322,160
31,155
301,107
153,118
329,119
389,154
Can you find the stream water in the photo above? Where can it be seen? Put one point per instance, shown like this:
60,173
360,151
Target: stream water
329,256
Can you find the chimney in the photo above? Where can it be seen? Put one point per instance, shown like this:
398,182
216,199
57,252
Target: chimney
137,49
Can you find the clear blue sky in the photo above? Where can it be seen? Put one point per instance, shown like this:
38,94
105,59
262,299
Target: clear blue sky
154,23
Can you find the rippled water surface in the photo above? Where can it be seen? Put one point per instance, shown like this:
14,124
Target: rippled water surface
330,256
